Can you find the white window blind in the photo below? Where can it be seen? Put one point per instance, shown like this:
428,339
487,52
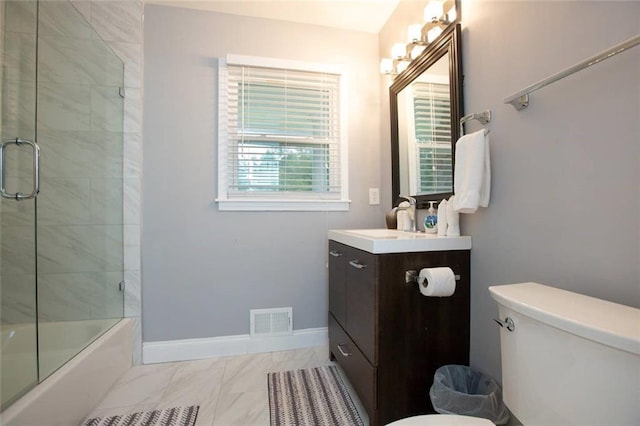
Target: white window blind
432,115
281,130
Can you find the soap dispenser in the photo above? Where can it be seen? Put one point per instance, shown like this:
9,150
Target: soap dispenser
431,220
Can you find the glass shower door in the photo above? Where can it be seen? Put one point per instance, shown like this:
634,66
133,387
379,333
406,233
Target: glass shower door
18,313
61,85
80,110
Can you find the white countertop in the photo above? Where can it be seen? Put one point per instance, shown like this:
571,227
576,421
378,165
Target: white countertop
378,241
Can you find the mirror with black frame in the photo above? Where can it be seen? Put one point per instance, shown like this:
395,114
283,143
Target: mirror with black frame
426,106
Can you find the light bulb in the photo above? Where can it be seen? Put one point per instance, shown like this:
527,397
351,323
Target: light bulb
402,65
414,33
433,34
416,51
386,66
433,11
399,50
451,14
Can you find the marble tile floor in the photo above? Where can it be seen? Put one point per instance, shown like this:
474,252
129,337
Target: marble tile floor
229,390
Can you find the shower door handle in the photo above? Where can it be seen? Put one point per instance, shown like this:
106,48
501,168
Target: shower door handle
19,196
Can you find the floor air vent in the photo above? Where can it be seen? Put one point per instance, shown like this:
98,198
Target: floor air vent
271,322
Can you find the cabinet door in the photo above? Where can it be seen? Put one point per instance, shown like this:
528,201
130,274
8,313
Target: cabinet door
361,301
418,334
337,277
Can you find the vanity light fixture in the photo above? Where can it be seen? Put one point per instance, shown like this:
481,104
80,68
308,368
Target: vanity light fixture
420,36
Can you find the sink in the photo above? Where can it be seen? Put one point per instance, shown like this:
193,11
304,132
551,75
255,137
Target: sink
378,241
388,233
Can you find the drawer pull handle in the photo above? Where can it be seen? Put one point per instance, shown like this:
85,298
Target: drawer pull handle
335,253
357,264
345,354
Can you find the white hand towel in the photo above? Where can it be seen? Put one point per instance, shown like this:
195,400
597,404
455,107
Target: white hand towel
405,218
453,219
472,173
442,218
406,221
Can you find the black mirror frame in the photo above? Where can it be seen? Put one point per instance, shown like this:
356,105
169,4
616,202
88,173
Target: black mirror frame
448,42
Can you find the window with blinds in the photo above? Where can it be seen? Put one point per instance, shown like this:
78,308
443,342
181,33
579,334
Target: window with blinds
432,115
281,135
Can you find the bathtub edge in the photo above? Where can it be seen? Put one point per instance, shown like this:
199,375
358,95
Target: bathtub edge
69,394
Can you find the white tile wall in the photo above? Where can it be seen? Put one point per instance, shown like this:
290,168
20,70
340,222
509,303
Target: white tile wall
118,20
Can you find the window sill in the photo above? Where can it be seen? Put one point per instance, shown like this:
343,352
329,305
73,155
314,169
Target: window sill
282,205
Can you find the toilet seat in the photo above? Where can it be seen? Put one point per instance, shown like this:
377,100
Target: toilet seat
441,419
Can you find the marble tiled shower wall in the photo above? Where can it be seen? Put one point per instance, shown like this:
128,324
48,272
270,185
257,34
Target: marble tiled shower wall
83,204
119,24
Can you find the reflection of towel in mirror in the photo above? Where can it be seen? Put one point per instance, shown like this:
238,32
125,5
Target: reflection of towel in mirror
472,174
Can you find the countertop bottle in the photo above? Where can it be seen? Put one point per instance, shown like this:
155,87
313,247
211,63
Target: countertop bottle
431,220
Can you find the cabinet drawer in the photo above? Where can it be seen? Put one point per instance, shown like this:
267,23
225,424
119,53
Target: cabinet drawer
361,292
359,371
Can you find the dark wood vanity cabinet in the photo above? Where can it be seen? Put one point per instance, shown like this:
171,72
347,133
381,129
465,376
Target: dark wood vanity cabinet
387,337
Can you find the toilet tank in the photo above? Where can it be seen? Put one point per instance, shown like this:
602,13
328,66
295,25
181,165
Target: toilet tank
570,359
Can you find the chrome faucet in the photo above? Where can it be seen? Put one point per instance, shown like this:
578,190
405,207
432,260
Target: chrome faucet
411,209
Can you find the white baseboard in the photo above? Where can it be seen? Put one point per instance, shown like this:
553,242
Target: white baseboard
212,347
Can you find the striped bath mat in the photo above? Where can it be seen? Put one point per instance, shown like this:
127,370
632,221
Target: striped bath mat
177,416
311,397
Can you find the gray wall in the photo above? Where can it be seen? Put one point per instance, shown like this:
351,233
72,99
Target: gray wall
565,206
565,200
204,269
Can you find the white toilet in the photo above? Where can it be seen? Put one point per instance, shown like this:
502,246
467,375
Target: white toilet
567,359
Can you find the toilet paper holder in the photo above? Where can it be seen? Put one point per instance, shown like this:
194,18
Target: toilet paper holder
411,277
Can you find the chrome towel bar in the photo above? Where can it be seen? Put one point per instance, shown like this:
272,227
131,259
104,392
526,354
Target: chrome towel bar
520,100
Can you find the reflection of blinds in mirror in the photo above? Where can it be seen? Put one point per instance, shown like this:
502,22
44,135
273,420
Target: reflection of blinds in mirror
432,115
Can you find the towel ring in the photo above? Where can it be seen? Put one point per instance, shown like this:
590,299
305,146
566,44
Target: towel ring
483,117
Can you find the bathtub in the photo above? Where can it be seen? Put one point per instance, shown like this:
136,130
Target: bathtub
70,393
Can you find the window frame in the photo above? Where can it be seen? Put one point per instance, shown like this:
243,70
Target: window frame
291,201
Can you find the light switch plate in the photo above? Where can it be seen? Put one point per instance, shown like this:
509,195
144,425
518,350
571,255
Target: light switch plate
374,196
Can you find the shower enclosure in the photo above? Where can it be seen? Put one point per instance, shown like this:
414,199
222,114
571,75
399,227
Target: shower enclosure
61,219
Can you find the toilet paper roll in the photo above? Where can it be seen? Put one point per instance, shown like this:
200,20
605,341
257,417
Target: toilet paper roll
437,282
